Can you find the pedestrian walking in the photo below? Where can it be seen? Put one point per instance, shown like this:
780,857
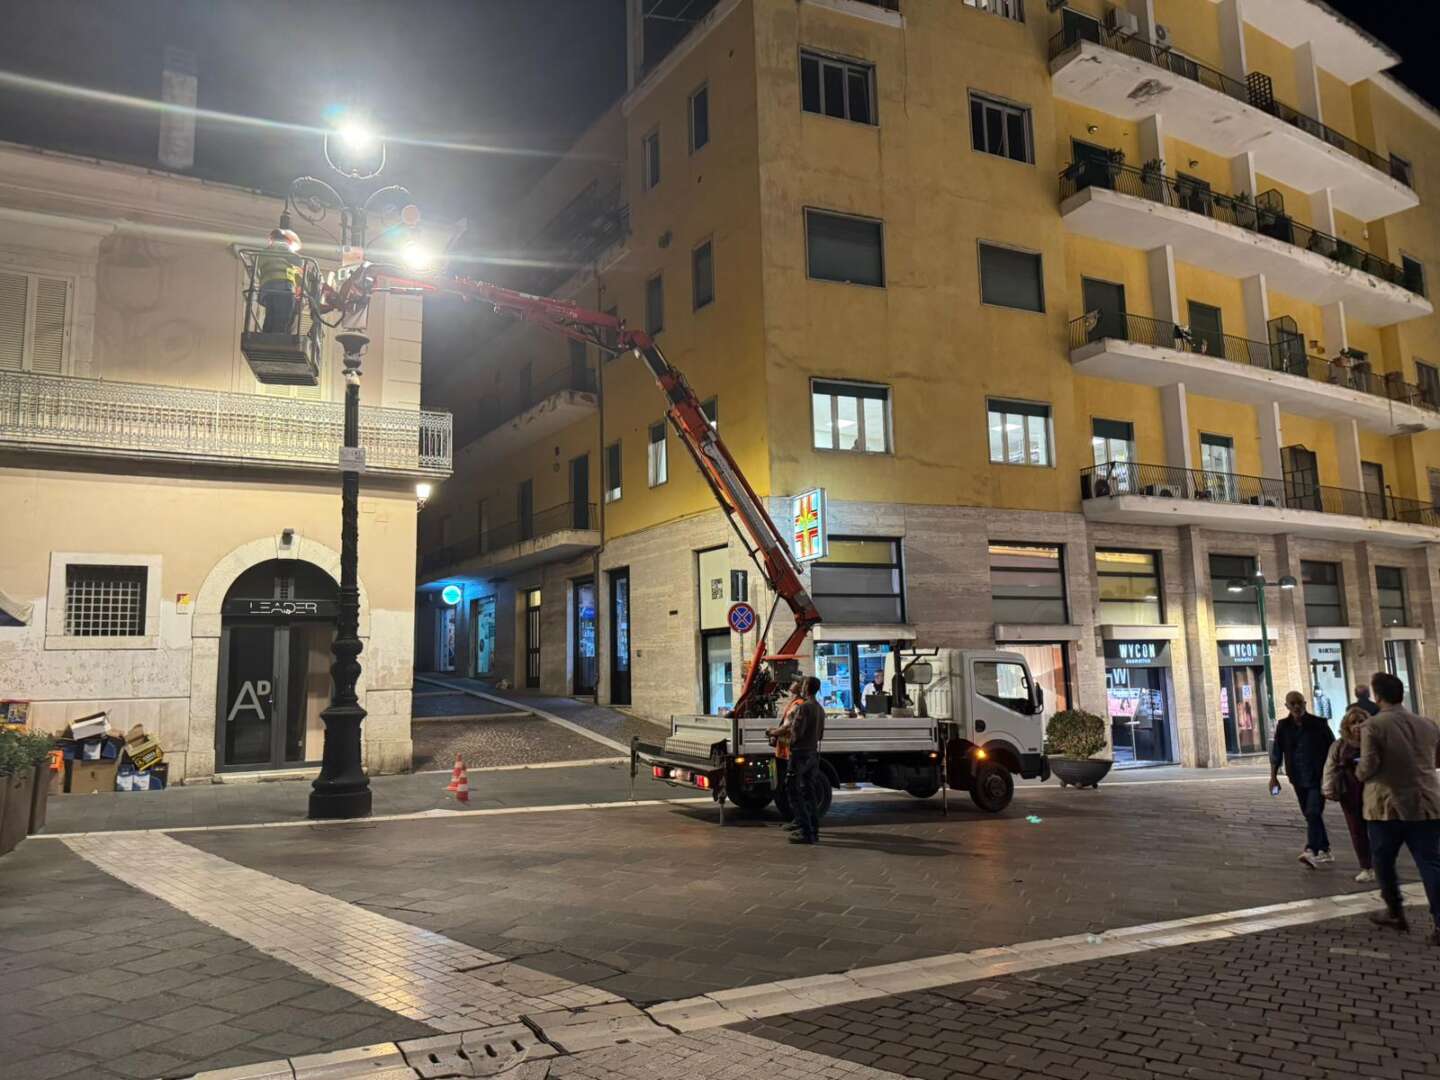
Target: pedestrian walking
1399,753
1341,785
1302,743
1364,701
807,729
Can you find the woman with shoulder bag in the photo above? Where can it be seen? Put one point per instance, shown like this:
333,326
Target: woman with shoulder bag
1341,785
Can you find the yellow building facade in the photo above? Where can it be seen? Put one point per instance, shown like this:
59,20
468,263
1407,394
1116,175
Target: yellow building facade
1086,321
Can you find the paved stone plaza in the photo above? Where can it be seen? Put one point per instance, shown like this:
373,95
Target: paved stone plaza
1157,927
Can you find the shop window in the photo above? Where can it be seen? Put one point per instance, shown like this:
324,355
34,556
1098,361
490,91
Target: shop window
699,118
859,581
657,461
1027,583
1324,598
1019,432
105,601
1233,609
1329,690
1010,278
702,276
655,305
846,249
719,672
850,416
1398,662
613,490
1390,585
844,89
999,128
650,160
1130,592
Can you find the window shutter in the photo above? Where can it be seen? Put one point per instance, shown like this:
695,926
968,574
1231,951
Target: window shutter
14,295
47,350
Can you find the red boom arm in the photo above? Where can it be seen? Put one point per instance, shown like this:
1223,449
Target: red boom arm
734,493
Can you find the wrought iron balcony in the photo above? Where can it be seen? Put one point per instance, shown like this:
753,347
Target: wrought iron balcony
1257,216
1116,479
494,547
496,411
591,224
60,413
1287,354
1257,90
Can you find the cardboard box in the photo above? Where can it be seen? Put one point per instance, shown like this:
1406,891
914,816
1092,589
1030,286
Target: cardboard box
92,777
143,751
89,726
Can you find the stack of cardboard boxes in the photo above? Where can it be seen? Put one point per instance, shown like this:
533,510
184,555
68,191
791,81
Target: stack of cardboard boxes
96,760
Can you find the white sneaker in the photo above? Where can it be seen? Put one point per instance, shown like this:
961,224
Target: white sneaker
1324,857
1365,875
1305,856
1310,859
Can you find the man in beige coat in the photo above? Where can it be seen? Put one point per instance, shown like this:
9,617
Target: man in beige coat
1399,753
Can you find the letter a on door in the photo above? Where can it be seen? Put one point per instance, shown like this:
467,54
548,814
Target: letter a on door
248,700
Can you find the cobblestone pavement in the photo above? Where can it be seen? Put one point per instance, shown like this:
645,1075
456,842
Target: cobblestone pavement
1339,1000
609,723
486,742
432,702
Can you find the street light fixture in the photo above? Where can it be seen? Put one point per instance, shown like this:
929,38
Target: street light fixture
1238,585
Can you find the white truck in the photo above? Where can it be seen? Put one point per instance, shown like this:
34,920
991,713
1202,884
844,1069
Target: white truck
963,719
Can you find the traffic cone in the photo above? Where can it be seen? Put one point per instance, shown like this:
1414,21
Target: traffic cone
459,782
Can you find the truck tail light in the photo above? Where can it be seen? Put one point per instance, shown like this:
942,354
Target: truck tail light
660,772
702,781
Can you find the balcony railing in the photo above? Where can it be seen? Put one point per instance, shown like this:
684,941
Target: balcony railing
567,517
91,416
1255,216
1117,478
1256,90
1286,355
498,411
589,225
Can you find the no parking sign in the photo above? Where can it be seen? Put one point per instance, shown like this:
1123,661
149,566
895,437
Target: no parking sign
741,618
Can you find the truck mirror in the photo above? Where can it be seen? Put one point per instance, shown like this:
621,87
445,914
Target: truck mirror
1039,700
919,674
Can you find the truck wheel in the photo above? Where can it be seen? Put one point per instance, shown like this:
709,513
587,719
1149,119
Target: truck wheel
922,791
992,787
750,802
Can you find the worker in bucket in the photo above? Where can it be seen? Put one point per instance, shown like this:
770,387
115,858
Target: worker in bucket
278,270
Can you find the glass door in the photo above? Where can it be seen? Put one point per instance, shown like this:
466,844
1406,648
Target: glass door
1245,688
1302,477
482,618
719,676
620,637
248,725
1217,459
532,638
1397,663
1106,301
584,660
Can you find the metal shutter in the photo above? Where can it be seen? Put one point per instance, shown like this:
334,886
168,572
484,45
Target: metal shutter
47,339
14,299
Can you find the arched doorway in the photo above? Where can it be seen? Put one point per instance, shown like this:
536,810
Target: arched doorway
277,623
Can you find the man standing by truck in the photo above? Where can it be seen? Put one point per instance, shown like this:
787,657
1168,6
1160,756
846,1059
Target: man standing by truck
807,725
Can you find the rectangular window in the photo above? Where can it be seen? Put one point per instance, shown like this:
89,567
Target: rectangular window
1414,274
1112,440
850,416
655,305
1402,170
1390,585
699,118
1001,129
1019,432
1130,588
1207,330
711,408
1427,376
613,489
1237,608
34,321
1324,599
1006,9
650,160
702,276
105,601
1027,583
844,89
1217,458
1010,278
859,581
657,462
843,248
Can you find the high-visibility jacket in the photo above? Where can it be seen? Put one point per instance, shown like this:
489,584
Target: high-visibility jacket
277,267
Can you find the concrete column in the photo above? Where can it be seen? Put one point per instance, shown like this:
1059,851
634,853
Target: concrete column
1333,327
1257,307
1175,415
1202,741
1372,653
1347,450
1322,210
1307,80
1164,296
1152,140
1271,440
1290,659
1242,174
1426,602
1232,38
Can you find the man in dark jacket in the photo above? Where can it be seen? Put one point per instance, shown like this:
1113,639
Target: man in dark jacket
807,724
1302,742
1364,701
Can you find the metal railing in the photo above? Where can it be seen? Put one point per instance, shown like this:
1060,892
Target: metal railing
93,416
1116,478
497,411
1255,91
567,517
1287,355
1155,186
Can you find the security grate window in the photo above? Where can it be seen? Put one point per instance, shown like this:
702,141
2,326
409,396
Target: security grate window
1000,128
105,601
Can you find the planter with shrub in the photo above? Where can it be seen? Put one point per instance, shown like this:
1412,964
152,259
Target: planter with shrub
24,768
1073,738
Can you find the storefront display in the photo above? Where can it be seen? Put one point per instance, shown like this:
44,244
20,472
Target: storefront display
1242,698
1137,679
1329,691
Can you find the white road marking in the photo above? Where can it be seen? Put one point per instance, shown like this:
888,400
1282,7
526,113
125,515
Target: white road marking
533,765
496,699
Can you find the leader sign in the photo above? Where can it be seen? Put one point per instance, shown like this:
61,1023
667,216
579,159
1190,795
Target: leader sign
810,539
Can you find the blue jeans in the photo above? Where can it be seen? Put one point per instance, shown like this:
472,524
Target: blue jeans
804,798
1423,840
1312,805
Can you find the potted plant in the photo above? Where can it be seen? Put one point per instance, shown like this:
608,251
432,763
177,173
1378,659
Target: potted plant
39,746
1152,180
17,774
1072,739
1115,161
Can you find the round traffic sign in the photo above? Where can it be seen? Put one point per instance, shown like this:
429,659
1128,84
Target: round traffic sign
741,617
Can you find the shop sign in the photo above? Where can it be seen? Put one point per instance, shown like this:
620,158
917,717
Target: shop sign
1241,654
281,608
1137,653
808,527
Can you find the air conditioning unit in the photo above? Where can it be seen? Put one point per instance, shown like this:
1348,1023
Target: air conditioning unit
1120,21
1264,500
1165,491
1162,34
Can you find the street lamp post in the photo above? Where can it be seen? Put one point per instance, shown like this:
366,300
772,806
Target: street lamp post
1259,584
